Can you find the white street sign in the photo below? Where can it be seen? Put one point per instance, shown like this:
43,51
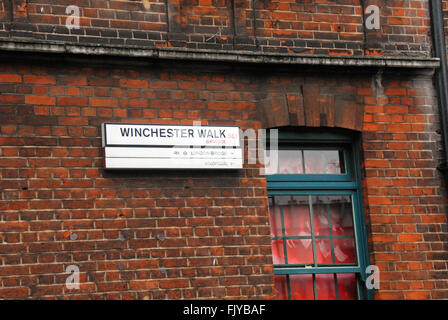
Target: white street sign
140,146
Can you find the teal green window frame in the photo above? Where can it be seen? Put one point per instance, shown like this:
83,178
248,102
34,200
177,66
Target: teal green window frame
328,184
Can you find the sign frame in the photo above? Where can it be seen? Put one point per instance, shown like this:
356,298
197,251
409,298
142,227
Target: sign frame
191,153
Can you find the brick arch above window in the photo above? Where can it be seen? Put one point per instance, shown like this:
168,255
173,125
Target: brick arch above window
311,105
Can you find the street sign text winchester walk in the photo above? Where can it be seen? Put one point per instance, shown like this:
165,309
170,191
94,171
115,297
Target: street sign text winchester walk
140,146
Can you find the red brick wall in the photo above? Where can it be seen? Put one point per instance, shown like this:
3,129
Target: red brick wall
405,195
301,27
53,187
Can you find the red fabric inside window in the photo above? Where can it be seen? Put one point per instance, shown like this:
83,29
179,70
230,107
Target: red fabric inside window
325,287
299,251
344,251
280,288
297,223
301,287
297,218
275,221
323,251
347,286
278,255
342,219
321,226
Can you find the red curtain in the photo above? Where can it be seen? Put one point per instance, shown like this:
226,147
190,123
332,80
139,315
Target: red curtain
297,220
344,251
347,286
301,287
321,226
299,251
278,255
325,287
297,223
323,251
275,221
280,288
342,225
341,219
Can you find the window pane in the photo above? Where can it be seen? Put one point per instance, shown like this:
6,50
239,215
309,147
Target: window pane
320,214
295,213
316,161
344,251
339,208
275,219
280,288
301,287
290,162
299,251
325,287
323,251
270,165
347,286
297,216
341,215
324,162
278,255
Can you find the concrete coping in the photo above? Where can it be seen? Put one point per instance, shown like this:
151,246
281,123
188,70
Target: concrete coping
248,57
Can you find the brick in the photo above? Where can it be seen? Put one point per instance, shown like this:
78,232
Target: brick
143,284
14,226
10,78
395,91
14,293
174,283
404,237
134,83
103,102
71,101
73,81
10,99
31,79
40,100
